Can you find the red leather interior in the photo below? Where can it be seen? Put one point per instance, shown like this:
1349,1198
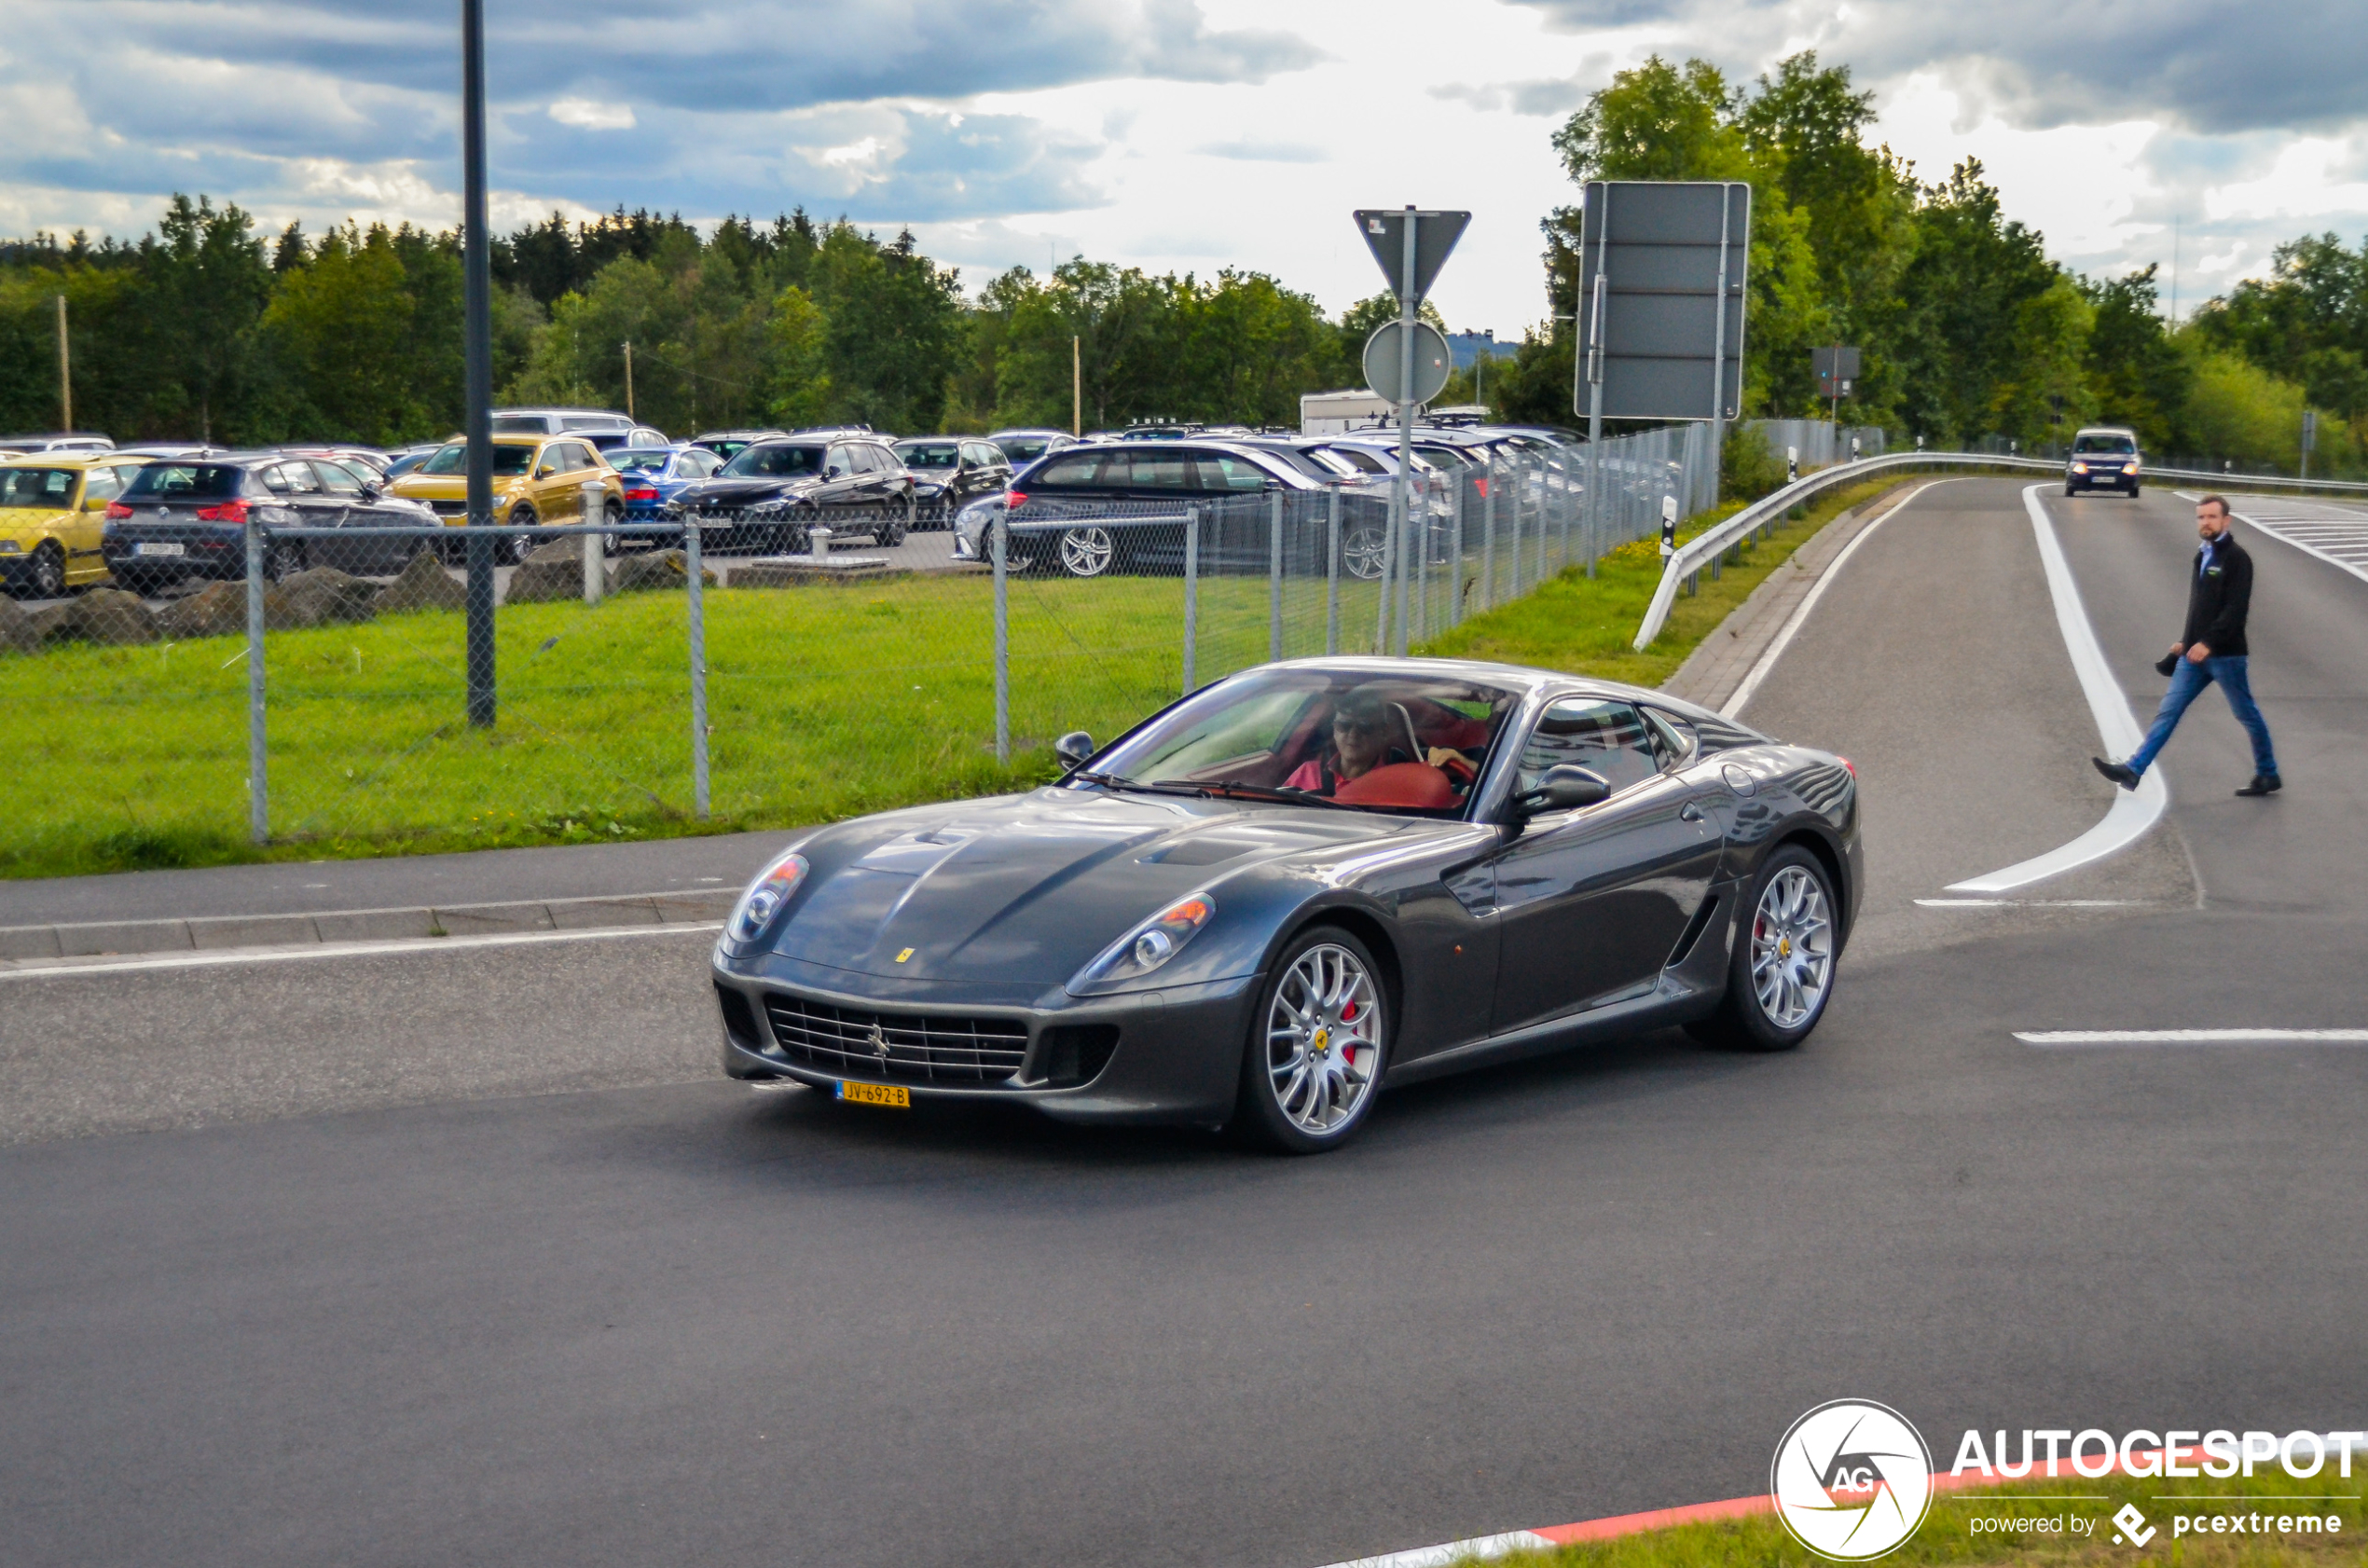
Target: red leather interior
1409,784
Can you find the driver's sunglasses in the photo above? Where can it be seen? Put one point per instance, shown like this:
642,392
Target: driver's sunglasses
1356,726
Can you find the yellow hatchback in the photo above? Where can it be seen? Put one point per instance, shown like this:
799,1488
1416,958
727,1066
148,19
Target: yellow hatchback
52,509
537,480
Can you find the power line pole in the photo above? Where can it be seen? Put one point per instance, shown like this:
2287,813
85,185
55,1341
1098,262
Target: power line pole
628,379
1076,388
477,335
65,374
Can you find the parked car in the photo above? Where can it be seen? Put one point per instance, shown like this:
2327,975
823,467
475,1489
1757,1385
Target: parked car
1217,920
2104,457
950,472
1103,483
402,460
52,513
774,493
1023,446
728,444
653,476
187,517
537,480
65,441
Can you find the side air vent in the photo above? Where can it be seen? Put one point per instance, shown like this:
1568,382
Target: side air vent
1069,1054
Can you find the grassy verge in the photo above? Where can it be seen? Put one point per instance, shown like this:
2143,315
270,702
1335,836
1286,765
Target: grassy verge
1948,1535
822,703
1586,625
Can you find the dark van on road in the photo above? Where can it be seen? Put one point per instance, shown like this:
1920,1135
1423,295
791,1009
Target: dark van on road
2104,457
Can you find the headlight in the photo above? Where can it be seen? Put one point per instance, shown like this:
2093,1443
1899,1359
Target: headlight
1146,947
2129,468
765,896
2080,468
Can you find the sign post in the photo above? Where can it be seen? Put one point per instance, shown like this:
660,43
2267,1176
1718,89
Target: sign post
2309,439
1410,246
1836,368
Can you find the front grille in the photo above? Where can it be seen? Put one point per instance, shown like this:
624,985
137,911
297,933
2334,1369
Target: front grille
897,1047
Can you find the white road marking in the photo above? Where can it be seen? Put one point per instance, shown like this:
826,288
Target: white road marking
2133,811
2039,903
2338,535
336,950
1478,1548
2193,1037
1809,602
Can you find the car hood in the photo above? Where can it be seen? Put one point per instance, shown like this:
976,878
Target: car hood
1033,888
744,493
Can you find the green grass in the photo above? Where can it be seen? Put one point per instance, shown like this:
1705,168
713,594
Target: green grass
1946,1536
824,702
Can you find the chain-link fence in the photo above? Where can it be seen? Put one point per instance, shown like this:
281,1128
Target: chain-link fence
317,684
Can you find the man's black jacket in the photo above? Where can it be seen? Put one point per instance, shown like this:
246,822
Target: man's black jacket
2218,597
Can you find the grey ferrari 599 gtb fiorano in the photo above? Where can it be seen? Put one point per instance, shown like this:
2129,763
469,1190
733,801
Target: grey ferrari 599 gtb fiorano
1301,885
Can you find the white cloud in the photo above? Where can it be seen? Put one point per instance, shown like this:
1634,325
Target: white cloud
587,114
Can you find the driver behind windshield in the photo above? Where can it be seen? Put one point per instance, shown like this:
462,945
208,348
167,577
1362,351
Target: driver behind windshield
1361,741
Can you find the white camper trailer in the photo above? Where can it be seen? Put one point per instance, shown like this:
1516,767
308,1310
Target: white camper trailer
1337,413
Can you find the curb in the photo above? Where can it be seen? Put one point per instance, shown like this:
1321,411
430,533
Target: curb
97,938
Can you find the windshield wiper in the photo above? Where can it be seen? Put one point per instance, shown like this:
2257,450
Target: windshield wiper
1285,793
1112,781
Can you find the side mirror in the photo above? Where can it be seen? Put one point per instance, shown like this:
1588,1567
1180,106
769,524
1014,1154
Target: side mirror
369,493
1563,789
1073,748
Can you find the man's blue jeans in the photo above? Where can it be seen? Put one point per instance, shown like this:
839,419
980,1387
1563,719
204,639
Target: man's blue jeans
2187,683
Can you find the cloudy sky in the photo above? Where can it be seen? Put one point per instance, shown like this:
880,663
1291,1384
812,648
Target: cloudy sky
1168,133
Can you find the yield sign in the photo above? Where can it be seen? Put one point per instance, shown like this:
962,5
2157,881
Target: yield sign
1434,235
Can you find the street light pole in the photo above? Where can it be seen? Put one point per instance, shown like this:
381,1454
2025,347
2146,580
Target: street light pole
65,374
628,379
477,335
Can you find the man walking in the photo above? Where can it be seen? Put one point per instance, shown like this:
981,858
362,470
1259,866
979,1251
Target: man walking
2211,650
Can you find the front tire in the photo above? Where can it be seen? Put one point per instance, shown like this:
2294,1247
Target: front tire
1781,973
1318,1045
518,546
47,578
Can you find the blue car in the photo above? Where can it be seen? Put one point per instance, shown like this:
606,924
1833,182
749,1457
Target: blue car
655,475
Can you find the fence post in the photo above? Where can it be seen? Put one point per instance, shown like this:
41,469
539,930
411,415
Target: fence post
1191,592
1513,589
1418,539
698,604
595,514
258,753
1001,548
1275,576
1332,579
1456,551
1388,576
1488,534
1405,569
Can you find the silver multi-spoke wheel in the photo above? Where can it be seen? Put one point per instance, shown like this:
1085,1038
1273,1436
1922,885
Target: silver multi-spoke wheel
1324,1039
1792,951
1086,552
1364,551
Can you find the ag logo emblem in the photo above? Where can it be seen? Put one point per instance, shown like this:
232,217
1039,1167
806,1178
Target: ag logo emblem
1852,1480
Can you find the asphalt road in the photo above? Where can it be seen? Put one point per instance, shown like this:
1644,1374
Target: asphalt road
347,1309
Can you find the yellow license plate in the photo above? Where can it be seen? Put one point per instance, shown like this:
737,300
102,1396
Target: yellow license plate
893,1096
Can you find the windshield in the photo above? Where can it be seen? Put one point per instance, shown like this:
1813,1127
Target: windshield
930,454
775,462
521,424
170,481
508,462
49,487
638,459
1387,743
1024,450
1445,457
2115,444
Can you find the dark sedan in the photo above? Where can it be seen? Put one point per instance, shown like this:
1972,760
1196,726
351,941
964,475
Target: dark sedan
1023,446
950,472
1301,884
774,493
187,517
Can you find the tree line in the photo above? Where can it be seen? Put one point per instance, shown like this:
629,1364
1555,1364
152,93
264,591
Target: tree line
209,328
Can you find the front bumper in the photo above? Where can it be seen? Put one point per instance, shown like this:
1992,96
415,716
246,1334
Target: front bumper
1177,1055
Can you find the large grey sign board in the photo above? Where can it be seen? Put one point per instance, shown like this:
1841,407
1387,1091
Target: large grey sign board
1434,235
1663,265
1383,353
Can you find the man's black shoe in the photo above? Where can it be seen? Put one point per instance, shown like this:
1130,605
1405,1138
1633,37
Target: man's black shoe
2122,775
2264,784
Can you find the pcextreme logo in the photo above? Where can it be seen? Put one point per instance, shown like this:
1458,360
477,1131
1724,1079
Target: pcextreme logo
1852,1480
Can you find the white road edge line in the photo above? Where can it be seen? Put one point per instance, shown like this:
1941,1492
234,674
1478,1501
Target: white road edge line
1478,1548
2193,1037
2041,904
345,950
2133,811
2273,531
1809,602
